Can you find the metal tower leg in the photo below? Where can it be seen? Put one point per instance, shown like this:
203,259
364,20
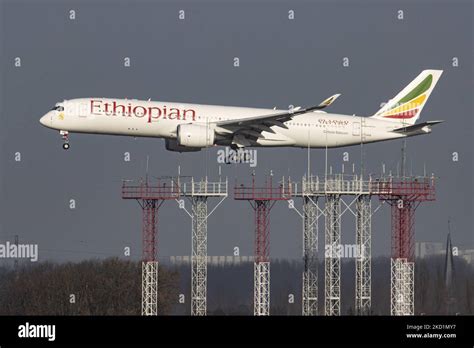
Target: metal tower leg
332,262
402,266
262,264
261,288
199,257
403,218
402,290
149,287
310,257
363,260
149,263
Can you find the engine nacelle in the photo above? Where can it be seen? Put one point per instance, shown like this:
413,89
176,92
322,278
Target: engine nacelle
195,135
172,145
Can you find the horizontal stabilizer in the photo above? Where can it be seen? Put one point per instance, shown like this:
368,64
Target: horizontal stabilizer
419,128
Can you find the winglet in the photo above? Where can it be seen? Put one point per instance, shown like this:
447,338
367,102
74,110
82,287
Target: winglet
328,101
324,104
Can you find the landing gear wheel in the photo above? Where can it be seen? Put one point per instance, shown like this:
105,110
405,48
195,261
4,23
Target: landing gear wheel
65,136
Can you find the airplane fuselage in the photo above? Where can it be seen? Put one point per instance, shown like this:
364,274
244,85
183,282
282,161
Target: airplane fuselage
139,118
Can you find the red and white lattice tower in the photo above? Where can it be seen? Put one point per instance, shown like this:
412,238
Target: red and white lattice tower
262,199
404,195
150,196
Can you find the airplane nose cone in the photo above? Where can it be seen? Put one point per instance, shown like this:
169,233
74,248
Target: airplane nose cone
46,120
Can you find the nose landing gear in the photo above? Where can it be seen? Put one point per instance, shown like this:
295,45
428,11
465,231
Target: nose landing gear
65,136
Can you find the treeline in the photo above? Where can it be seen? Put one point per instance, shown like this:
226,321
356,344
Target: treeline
113,287
230,288
96,287
432,296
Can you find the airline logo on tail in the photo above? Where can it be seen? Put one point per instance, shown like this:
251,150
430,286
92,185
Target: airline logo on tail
407,105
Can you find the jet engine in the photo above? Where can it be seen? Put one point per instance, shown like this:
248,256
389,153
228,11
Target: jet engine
195,135
172,145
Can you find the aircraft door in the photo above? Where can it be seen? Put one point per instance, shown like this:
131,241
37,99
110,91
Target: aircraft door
83,110
356,129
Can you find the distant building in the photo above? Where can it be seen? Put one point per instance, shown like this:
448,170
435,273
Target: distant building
425,249
467,255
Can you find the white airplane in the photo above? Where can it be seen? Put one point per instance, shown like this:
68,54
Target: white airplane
191,127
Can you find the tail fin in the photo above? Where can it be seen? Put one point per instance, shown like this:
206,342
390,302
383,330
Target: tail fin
406,106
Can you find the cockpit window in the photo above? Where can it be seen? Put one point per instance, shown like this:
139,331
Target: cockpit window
58,108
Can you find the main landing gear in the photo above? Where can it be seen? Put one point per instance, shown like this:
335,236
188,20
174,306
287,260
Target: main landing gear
65,136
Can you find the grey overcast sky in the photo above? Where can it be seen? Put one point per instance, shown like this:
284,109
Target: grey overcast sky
282,62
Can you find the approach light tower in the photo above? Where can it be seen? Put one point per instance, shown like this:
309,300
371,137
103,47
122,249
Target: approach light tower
311,214
404,195
363,274
199,192
150,196
332,262
333,187
310,256
262,199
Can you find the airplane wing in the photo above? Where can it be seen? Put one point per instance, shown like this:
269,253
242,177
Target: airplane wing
420,128
252,127
281,117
